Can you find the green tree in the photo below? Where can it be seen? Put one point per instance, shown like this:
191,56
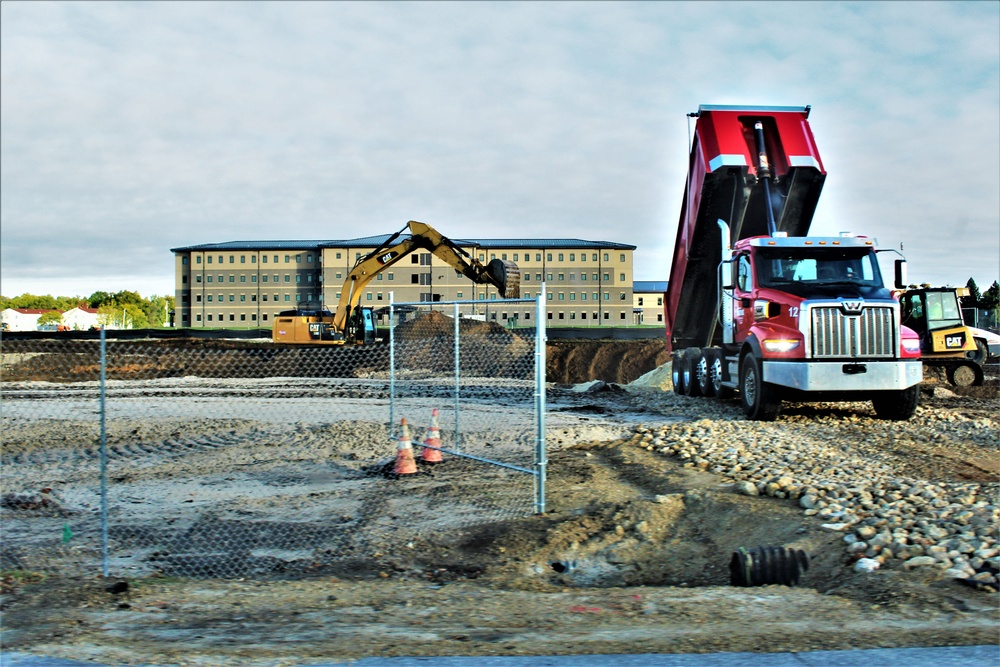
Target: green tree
50,317
975,298
98,299
991,300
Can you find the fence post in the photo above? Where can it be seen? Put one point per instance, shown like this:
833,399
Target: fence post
458,445
104,456
392,367
541,461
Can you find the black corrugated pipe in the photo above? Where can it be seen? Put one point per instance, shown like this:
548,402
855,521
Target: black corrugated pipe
767,565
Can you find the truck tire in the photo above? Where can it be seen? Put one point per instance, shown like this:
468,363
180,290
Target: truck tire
715,373
758,398
897,405
703,371
677,373
692,357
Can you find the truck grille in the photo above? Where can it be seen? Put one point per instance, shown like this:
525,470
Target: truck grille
869,333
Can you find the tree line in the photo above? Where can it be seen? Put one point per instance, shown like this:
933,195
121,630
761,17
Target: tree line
125,309
989,301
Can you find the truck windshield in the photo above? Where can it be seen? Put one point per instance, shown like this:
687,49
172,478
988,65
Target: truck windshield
780,267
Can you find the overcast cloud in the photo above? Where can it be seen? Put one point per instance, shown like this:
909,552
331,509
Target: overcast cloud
131,128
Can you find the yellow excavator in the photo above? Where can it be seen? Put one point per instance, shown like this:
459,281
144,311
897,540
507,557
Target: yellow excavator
354,325
936,315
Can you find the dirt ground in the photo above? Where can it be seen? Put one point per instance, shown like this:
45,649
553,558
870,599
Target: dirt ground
631,556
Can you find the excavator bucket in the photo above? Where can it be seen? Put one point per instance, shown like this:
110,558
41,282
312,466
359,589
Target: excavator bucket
506,276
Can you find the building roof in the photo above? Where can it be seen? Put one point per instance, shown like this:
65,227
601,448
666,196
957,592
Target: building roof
375,241
649,286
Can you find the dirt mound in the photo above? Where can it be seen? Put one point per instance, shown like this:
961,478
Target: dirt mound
619,361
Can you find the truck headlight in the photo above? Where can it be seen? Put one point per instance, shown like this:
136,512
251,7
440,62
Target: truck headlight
780,344
911,344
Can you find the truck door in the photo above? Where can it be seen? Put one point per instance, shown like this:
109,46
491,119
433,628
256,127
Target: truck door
742,298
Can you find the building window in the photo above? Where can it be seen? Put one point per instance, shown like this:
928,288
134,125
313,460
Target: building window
338,276
594,258
243,259
607,297
548,276
607,316
298,277
572,257
538,277
548,256
253,259
415,279
640,300
458,295
263,278
288,259
390,276
253,317
659,317
209,318
482,257
209,259
538,256
253,278
287,298
378,297
243,317
243,279
560,257
368,297
263,259
338,255
572,296
572,315
232,297
621,277
209,297
515,256
263,297
288,278
583,277
583,296
264,317
197,318
309,259
622,257
583,316
621,297
562,296
562,276
504,256
275,259
253,297
197,298
197,259
414,259
243,297
197,279
622,316
232,318
561,316
232,259
550,316
606,257
298,259
607,276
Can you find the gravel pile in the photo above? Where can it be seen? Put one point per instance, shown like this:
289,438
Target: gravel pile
886,485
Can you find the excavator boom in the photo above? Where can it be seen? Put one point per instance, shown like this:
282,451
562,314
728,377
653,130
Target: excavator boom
346,326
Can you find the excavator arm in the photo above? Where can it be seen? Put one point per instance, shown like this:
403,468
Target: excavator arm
504,275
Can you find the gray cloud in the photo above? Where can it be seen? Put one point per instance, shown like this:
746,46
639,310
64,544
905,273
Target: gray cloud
130,128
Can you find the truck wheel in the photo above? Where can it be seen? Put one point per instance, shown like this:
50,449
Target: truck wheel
677,373
715,371
703,371
897,405
757,397
691,360
966,374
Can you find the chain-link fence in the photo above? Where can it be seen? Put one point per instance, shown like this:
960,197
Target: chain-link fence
212,458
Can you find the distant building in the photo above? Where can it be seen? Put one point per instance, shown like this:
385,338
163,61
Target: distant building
647,296
81,318
22,319
246,283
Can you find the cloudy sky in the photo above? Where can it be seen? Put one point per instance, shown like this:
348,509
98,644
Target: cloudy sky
131,128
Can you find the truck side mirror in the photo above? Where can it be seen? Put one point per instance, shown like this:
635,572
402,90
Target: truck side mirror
901,274
726,275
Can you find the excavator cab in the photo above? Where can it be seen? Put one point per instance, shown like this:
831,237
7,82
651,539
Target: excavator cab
361,328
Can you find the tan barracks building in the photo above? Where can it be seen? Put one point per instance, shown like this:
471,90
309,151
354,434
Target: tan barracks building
246,283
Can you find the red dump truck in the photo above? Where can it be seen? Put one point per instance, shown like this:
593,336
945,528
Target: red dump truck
756,307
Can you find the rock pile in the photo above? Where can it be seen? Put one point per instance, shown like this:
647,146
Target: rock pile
857,475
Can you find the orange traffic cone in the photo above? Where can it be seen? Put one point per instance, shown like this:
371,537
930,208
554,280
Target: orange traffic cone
405,465
432,439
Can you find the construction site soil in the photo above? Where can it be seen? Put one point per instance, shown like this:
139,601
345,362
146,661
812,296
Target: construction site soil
631,556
